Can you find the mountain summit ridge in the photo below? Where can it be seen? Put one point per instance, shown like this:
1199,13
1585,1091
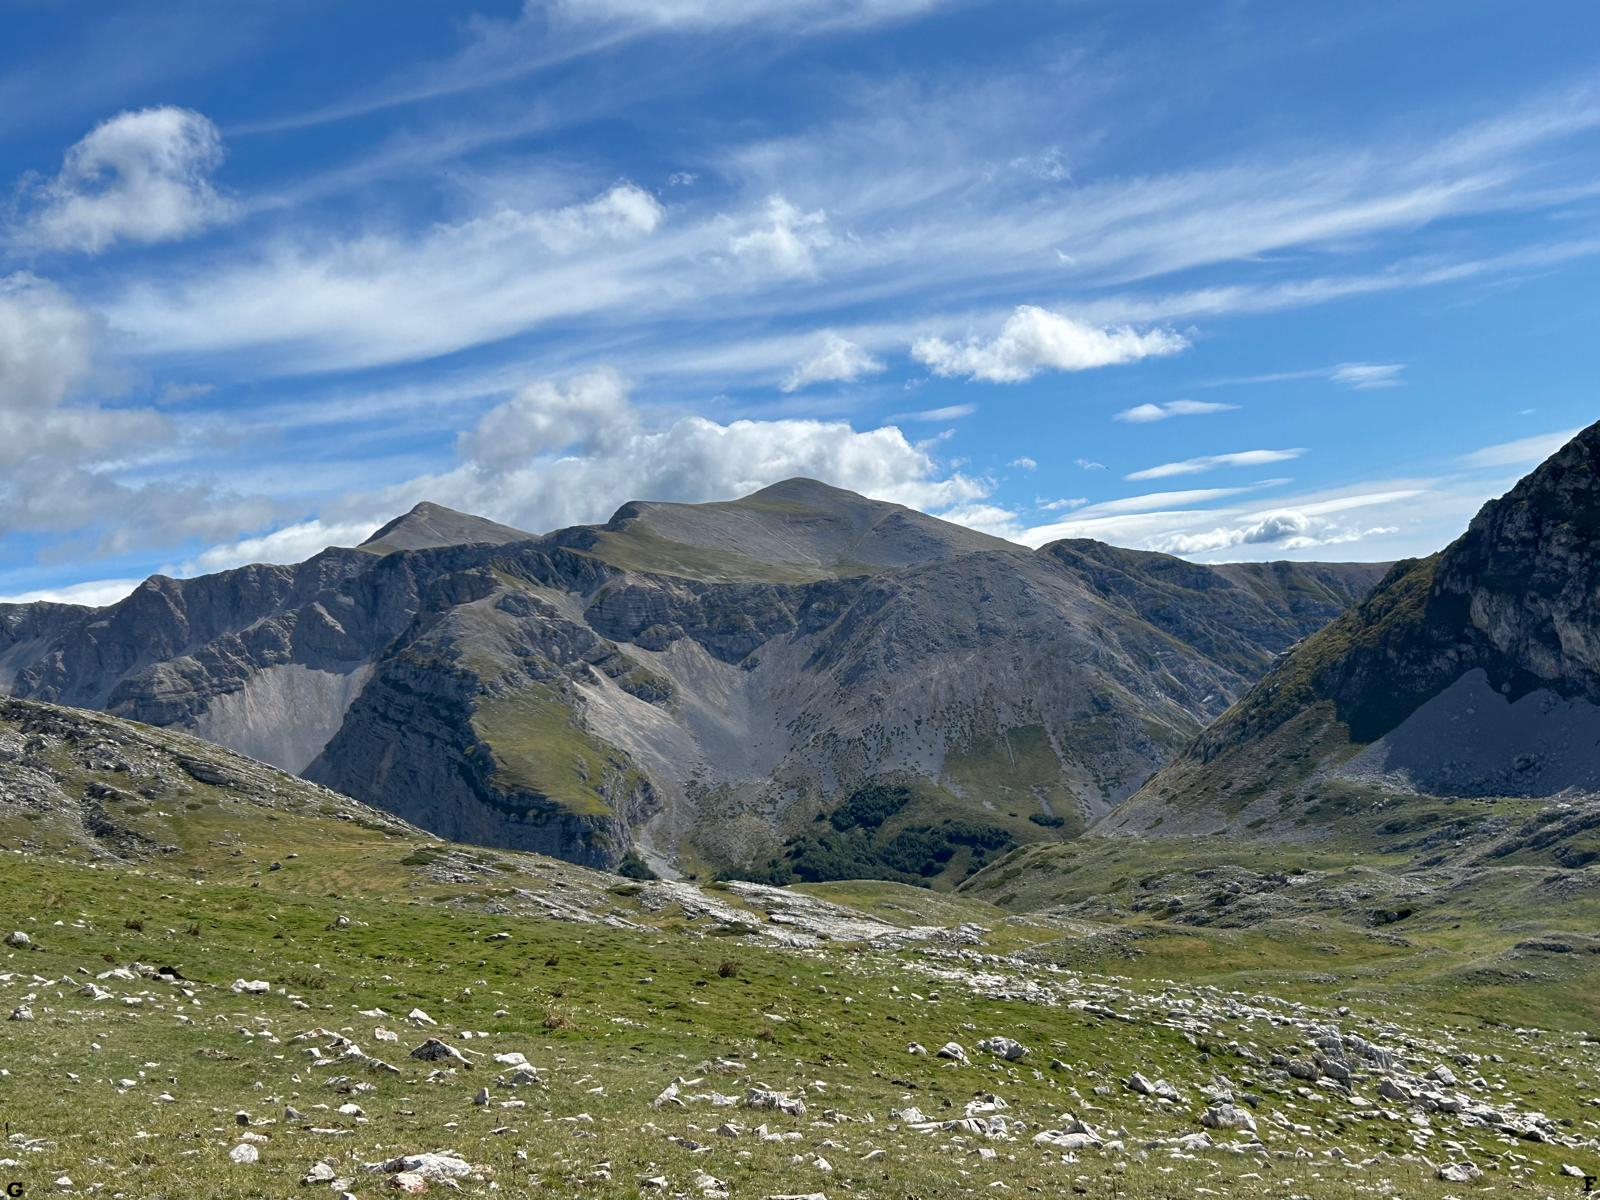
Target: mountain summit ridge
699,680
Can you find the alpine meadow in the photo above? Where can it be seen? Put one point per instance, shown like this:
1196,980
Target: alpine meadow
799,599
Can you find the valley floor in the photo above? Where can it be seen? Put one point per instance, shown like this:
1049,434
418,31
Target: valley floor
233,1038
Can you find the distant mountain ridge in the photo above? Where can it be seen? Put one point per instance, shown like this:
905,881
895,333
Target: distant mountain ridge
1473,672
701,680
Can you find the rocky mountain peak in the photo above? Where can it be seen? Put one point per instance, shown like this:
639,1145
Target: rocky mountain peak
796,529
804,490
429,525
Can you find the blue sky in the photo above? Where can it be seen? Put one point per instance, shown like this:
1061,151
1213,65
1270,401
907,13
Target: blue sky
1230,280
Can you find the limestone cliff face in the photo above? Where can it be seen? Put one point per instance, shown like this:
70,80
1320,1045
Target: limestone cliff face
1471,672
409,739
1526,574
697,679
172,649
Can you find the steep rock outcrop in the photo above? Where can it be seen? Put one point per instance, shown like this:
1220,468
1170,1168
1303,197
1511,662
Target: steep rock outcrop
1473,672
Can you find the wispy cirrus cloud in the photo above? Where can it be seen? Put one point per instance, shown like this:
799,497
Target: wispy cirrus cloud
393,298
948,412
1209,462
809,225
1364,377
1144,414
1158,501
1378,520
928,224
1359,376
809,16
1520,453
548,34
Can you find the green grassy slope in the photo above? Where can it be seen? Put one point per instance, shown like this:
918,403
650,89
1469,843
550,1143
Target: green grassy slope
126,1080
610,1018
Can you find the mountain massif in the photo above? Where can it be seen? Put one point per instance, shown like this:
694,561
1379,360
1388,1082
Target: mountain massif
1471,673
1329,1011
802,681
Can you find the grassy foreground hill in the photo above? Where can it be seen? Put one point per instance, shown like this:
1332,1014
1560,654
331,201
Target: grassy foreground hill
221,996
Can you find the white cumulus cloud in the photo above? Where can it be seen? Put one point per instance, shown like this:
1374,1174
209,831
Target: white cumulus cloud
836,360
62,448
586,415
1034,339
785,243
96,593
587,449
696,458
622,212
571,451
47,346
985,518
141,176
1288,529
291,544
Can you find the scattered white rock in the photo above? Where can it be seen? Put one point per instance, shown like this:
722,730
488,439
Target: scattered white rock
435,1050
954,1051
431,1165
1228,1116
761,1097
1003,1047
